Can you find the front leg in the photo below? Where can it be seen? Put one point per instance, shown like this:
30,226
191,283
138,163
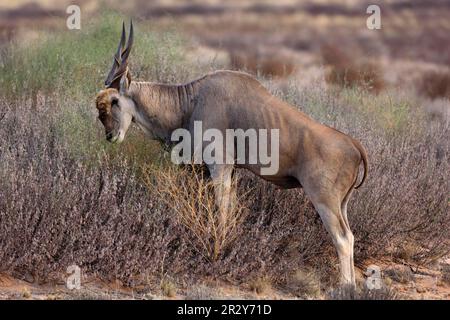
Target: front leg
225,195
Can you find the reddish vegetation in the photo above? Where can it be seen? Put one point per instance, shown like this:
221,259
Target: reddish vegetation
346,71
261,64
436,84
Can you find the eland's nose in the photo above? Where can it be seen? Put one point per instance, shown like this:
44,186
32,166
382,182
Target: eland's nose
109,136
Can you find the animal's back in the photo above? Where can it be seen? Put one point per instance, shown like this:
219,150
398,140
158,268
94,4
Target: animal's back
236,100
244,102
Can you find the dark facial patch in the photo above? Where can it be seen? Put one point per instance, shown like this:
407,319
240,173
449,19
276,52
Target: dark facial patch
103,104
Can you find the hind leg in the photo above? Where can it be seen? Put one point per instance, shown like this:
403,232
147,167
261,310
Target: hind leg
344,215
329,208
342,239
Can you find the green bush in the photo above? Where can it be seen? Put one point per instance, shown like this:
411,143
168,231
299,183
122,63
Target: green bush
76,62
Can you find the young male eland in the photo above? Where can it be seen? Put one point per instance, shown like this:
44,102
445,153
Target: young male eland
320,159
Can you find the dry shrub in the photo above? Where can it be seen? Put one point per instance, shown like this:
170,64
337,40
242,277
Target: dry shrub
257,63
404,203
304,283
190,195
435,84
349,293
86,294
445,273
406,251
283,226
347,72
401,274
59,207
438,109
260,285
202,292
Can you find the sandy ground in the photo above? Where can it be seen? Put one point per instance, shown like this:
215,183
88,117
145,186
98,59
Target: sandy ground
408,281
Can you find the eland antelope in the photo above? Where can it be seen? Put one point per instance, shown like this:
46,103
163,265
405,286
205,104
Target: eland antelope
319,159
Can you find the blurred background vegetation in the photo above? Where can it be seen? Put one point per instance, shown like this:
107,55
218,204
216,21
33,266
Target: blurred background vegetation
67,196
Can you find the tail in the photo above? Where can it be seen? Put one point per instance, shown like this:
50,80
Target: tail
363,153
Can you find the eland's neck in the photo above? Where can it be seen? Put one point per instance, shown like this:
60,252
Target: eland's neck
160,108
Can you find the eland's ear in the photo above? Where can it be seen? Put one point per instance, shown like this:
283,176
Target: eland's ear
124,83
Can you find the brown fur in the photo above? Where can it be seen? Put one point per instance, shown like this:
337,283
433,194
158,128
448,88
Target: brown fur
322,160
103,99
217,100
103,104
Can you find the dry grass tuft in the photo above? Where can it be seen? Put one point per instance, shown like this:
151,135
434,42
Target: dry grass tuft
26,293
168,287
190,195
